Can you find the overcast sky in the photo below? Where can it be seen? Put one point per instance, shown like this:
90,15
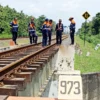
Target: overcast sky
56,9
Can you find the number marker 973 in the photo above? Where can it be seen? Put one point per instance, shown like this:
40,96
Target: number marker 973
70,87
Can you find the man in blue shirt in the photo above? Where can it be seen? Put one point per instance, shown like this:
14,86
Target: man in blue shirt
45,28
14,29
32,32
59,30
72,29
50,31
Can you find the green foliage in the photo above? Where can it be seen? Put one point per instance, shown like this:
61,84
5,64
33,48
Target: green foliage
5,35
87,64
7,15
40,21
91,29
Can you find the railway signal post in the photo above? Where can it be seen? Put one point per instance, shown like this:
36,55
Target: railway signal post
86,15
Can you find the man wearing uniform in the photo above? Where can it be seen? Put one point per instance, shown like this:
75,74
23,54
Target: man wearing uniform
72,29
45,32
14,29
50,31
32,32
59,30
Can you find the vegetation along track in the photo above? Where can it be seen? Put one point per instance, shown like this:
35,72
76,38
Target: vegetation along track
25,65
11,38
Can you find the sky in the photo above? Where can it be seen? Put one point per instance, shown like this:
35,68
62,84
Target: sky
56,9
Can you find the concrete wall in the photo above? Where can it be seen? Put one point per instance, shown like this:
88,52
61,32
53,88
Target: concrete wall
91,86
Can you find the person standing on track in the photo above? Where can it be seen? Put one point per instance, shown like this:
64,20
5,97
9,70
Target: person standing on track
32,32
45,32
50,31
59,30
14,29
72,29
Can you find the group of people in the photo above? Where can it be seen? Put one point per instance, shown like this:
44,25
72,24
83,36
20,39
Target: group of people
46,30
31,29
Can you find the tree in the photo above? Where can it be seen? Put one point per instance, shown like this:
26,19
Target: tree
7,15
39,22
91,29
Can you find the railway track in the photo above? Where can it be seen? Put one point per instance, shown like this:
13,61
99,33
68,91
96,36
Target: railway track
17,50
25,71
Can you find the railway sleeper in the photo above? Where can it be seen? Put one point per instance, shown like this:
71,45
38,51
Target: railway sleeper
32,87
21,82
38,80
43,72
35,78
29,70
3,97
5,62
37,83
28,88
48,65
23,88
9,58
4,59
28,77
2,65
39,74
11,90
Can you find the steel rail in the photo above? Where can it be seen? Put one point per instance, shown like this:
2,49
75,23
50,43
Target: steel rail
12,67
19,48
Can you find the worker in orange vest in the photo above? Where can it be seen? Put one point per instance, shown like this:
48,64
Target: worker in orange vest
72,29
59,30
32,32
45,32
50,31
14,30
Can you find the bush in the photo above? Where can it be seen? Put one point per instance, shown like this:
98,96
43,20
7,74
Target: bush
81,36
96,41
89,39
38,33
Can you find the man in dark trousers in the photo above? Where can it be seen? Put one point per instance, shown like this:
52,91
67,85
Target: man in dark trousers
14,29
50,32
32,32
72,29
59,30
45,32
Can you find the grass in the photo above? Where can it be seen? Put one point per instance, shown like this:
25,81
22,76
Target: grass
5,36
87,64
6,43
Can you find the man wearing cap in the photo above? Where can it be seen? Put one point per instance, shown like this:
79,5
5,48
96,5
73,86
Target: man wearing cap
72,29
45,32
32,32
59,30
